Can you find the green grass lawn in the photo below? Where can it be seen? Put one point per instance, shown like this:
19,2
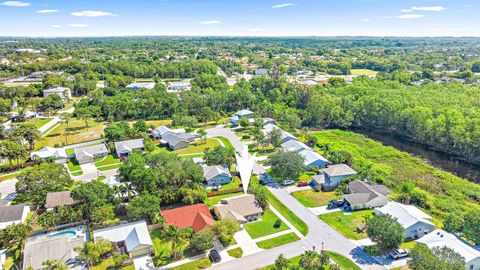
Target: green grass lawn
236,252
312,198
234,184
107,160
408,245
73,165
161,249
195,265
342,261
363,71
226,142
278,241
104,265
38,122
109,167
211,201
198,147
347,223
265,226
291,262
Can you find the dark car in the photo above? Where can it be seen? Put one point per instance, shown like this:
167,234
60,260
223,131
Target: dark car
214,256
303,184
335,204
266,179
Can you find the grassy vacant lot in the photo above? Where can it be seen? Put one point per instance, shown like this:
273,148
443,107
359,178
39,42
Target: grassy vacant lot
344,262
236,252
350,224
77,133
198,147
444,191
265,226
211,201
312,198
363,71
155,123
109,167
278,241
38,122
195,265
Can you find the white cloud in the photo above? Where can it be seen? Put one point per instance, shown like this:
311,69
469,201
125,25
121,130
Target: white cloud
468,5
410,16
283,5
15,4
406,10
43,11
92,13
210,22
56,26
257,29
78,25
364,20
430,8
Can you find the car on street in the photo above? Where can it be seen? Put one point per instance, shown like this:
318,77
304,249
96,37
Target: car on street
214,256
398,253
288,182
266,179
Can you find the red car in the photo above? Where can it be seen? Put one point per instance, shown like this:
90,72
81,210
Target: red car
303,184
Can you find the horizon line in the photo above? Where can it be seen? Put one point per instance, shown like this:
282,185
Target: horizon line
236,36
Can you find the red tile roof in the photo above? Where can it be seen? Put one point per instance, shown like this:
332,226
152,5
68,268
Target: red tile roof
196,216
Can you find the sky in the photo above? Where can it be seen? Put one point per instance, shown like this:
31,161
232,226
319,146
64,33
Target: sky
55,18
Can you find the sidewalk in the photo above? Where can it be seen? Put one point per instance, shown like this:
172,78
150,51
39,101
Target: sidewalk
49,124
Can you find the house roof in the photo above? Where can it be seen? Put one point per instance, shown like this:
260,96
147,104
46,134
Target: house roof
339,170
47,152
161,130
357,186
311,156
134,234
90,151
60,248
173,138
196,216
238,207
11,212
210,172
56,90
146,85
61,198
129,145
406,215
269,127
440,238
294,145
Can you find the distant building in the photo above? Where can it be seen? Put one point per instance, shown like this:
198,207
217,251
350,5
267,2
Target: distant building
440,239
195,216
245,113
13,214
333,175
243,208
294,145
58,154
365,195
217,175
62,92
125,148
88,154
144,85
414,221
176,87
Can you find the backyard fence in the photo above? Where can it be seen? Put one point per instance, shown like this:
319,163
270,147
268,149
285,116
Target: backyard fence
226,191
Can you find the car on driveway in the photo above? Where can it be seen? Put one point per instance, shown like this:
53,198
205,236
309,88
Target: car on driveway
214,256
333,204
303,184
288,182
398,253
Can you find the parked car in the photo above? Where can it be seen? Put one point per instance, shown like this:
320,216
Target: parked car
303,184
335,204
266,179
398,253
288,182
214,256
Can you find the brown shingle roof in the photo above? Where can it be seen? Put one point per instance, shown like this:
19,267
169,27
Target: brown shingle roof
239,206
56,199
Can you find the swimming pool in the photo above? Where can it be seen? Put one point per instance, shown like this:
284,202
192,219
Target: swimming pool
69,233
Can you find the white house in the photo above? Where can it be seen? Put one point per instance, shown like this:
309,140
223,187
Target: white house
131,238
413,220
13,214
125,148
63,92
440,238
175,87
58,154
145,85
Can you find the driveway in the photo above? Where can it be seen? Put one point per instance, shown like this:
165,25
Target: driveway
85,177
143,262
7,187
88,168
49,124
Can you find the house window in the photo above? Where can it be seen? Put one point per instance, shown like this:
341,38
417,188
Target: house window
471,267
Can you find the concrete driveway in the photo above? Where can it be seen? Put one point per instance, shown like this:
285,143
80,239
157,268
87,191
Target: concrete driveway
7,187
88,168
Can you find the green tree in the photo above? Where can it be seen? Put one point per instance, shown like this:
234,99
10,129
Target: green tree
84,113
471,226
244,123
423,258
225,229
103,213
453,222
275,137
143,206
219,155
178,238
140,126
310,260
13,237
281,263
91,252
92,195
202,240
12,151
28,132
385,231
287,165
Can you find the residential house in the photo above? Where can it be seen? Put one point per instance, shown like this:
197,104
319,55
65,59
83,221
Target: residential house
440,239
63,92
414,221
364,195
174,141
294,145
176,87
217,175
13,214
261,72
88,154
243,208
313,159
195,216
144,85
60,248
58,154
268,120
245,113
160,131
131,238
333,176
57,199
125,148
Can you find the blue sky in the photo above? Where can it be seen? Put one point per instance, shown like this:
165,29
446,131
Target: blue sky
240,18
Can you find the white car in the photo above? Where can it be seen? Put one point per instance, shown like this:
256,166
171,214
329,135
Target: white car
398,253
288,182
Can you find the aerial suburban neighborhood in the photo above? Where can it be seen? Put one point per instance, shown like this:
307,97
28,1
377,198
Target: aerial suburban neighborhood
200,138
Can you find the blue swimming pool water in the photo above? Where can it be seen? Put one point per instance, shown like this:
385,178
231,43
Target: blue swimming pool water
69,233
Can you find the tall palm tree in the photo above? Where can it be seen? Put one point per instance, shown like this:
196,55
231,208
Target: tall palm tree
310,261
66,118
178,237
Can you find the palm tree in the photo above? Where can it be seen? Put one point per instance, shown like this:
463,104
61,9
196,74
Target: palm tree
310,261
66,118
178,237
203,134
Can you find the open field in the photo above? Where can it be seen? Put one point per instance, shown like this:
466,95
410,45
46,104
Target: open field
312,198
363,71
350,224
38,122
77,133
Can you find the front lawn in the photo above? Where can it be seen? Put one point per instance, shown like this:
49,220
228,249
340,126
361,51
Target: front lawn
107,160
278,241
312,198
342,261
104,265
109,167
226,142
265,226
236,252
198,147
350,224
211,201
73,165
195,265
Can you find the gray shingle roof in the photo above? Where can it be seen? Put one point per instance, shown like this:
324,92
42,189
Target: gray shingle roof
339,170
90,151
11,212
129,145
211,171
